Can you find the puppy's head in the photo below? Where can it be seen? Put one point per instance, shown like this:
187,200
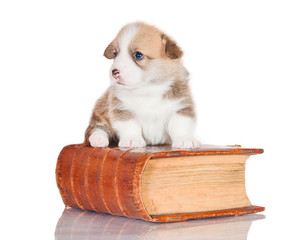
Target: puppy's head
142,54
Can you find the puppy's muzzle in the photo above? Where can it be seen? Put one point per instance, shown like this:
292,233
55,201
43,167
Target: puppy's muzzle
116,73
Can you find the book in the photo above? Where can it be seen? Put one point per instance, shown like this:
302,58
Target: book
156,183
77,224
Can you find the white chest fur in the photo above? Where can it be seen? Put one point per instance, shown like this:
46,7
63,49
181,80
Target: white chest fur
151,111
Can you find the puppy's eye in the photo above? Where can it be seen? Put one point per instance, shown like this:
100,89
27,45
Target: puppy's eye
115,54
138,55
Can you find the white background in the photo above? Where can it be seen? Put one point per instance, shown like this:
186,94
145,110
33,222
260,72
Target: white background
247,65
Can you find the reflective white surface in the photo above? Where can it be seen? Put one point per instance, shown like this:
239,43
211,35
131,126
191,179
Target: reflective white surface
78,224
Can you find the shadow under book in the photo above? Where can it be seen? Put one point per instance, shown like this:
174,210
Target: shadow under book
156,183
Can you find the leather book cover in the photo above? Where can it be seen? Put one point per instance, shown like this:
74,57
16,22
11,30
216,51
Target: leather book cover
108,180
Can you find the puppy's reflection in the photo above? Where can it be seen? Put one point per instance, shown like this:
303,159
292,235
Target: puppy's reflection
78,224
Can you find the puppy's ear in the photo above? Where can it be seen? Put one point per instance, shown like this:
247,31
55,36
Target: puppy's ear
110,51
171,48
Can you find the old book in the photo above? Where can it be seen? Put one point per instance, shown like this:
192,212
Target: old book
156,183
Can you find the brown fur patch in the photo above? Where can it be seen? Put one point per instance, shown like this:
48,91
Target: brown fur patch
147,41
171,48
181,90
150,41
110,51
178,90
108,108
188,109
154,44
116,111
100,118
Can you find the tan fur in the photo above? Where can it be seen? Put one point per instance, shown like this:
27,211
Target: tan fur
148,41
100,117
110,51
171,48
117,112
108,108
180,89
189,109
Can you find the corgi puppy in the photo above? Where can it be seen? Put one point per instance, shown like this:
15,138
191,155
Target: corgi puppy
149,100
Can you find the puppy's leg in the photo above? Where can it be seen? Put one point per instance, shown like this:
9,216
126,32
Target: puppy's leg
181,130
130,133
98,133
98,138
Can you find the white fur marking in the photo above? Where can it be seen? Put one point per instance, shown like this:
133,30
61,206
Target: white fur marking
130,73
99,138
151,110
127,35
181,130
130,133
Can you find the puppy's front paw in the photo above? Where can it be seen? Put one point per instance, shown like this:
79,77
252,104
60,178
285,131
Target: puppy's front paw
127,142
99,139
186,143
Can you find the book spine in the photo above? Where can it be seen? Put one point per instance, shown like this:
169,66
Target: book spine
106,180
63,173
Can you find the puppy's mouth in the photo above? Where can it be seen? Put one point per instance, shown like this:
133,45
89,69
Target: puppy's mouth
120,81
126,85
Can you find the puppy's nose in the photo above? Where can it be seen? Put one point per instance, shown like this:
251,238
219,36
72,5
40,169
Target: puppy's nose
115,73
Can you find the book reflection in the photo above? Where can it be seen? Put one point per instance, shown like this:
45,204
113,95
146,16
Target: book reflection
78,224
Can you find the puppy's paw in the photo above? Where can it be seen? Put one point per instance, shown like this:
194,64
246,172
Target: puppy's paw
127,142
186,143
99,139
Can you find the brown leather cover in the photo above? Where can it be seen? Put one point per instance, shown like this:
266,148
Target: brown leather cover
108,180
